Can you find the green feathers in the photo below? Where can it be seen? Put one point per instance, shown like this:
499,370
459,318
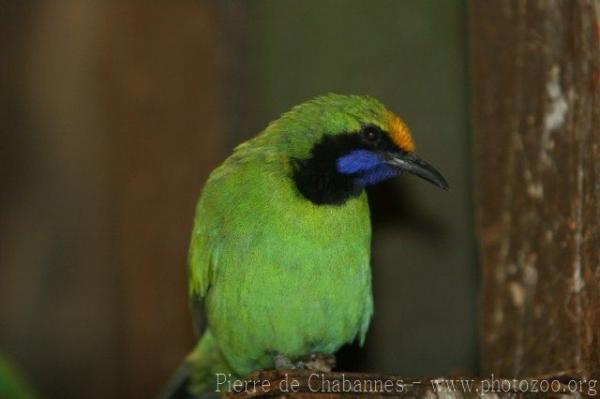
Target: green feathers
296,131
280,248
12,385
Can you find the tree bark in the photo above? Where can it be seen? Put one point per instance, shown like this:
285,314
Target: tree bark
536,115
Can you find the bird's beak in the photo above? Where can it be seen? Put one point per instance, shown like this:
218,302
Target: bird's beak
409,162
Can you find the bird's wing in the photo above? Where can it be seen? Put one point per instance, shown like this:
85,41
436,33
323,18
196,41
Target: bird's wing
199,259
200,263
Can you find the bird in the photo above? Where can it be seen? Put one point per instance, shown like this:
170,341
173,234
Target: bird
279,256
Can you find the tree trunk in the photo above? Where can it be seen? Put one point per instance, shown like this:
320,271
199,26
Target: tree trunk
536,115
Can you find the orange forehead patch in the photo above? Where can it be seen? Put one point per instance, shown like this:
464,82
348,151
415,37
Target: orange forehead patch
400,134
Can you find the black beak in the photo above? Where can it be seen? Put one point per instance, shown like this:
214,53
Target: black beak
408,162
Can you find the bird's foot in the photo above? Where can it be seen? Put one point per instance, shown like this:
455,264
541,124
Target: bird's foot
319,362
316,362
281,362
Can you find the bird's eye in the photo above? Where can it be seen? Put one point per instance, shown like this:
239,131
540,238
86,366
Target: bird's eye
370,133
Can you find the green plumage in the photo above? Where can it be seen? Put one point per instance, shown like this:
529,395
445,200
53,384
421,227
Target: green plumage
277,273
12,385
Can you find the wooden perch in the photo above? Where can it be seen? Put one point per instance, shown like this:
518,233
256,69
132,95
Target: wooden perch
312,384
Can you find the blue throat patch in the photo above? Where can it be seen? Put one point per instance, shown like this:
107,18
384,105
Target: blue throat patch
367,167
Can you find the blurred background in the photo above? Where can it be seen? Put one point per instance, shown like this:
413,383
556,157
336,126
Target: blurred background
113,114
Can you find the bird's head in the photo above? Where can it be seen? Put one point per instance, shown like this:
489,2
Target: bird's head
337,145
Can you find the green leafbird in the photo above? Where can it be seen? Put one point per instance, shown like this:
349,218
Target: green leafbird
279,260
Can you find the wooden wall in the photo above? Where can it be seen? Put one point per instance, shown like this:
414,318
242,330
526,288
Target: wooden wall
112,127
114,112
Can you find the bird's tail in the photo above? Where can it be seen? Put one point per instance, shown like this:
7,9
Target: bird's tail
196,376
